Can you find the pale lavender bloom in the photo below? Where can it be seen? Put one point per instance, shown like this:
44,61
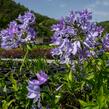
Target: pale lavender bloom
69,30
56,51
85,15
56,41
75,36
42,77
34,91
13,27
9,38
106,42
76,46
27,35
18,33
28,17
34,86
59,26
65,59
94,31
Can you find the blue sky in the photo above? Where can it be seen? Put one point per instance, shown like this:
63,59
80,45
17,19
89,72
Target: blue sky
58,8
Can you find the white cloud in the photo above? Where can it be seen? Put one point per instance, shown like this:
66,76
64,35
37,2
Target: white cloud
100,9
103,2
106,3
99,3
102,14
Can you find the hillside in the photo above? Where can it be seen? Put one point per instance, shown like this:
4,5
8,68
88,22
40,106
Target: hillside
9,10
105,25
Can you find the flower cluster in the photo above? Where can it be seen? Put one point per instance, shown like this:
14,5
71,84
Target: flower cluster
106,42
34,85
18,31
76,37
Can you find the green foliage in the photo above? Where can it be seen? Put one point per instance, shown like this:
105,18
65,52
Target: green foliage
85,89
6,104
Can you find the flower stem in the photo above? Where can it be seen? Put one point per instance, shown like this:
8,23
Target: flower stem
25,56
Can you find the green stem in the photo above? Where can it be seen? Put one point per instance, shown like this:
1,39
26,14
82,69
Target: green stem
25,56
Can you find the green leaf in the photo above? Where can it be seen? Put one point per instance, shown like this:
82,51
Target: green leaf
14,83
90,76
57,98
5,89
101,100
6,104
11,102
70,76
83,103
28,47
88,105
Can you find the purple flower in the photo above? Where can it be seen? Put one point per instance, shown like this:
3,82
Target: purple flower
85,15
34,91
19,32
76,37
106,42
27,18
42,77
34,85
9,40
13,27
